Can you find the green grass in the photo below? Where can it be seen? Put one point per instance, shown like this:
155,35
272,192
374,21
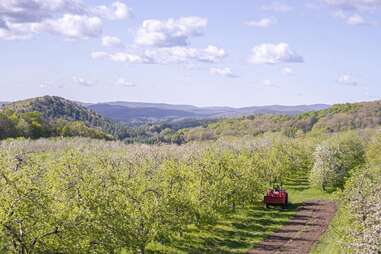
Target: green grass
245,228
234,234
299,190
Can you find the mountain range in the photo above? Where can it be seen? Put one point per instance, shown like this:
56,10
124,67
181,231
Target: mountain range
138,112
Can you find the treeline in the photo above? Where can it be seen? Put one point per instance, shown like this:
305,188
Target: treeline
169,132
32,125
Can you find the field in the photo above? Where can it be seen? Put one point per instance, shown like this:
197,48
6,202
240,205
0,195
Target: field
81,195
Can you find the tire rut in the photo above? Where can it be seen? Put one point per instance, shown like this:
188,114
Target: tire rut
300,233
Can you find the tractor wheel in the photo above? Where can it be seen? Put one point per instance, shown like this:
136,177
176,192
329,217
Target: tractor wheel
285,204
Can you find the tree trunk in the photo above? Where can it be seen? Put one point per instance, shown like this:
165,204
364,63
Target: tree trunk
142,249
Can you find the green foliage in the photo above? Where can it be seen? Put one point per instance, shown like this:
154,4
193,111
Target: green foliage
44,117
340,117
81,196
79,129
357,226
78,195
335,159
363,203
32,125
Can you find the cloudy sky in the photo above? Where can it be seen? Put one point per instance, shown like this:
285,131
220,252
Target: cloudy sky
206,53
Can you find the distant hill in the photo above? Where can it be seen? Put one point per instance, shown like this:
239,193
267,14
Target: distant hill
138,112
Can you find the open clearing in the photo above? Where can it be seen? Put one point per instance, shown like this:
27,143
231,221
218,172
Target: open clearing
301,232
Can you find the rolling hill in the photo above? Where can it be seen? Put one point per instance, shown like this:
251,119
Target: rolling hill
137,112
53,108
140,114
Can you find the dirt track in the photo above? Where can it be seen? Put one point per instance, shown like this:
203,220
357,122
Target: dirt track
301,232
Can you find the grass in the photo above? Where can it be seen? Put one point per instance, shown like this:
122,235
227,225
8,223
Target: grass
234,234
299,190
241,231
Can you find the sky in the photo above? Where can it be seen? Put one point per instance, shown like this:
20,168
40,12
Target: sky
205,53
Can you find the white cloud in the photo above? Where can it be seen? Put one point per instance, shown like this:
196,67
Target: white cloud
268,83
117,10
347,79
15,31
119,57
111,42
31,11
277,7
211,54
74,26
172,32
262,23
354,4
21,19
287,71
274,53
226,72
123,82
353,19
82,81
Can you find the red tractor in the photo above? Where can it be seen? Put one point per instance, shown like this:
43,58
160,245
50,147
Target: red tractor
276,197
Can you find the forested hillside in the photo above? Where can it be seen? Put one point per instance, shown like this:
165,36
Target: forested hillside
51,116
337,118
53,108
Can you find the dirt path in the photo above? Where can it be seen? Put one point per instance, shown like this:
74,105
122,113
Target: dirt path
301,232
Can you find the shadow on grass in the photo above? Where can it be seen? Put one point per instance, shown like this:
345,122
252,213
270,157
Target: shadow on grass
242,230
237,233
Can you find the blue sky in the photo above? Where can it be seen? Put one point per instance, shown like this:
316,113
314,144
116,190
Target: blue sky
206,53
